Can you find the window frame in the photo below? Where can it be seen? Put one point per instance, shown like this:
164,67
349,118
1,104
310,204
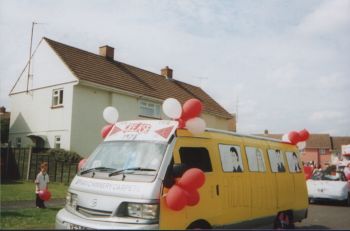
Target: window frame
57,142
208,168
290,169
322,151
240,157
144,105
57,97
283,157
18,142
256,159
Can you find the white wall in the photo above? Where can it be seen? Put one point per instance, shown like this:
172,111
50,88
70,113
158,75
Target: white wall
87,119
31,112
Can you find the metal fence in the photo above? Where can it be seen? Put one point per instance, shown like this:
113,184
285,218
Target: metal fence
24,163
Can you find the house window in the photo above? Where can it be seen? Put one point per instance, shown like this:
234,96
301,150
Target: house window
57,143
57,97
149,109
322,151
18,142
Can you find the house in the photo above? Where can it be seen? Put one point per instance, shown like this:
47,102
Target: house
58,100
321,149
341,148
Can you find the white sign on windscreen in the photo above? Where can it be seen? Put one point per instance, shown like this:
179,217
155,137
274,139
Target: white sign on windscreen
145,130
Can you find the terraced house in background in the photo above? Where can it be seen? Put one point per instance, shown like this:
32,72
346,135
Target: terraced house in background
58,100
321,149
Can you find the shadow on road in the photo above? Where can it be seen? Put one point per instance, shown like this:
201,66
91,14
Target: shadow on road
317,227
329,203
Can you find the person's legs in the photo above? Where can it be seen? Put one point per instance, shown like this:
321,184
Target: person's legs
37,201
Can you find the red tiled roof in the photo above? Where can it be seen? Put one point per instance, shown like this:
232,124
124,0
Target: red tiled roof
338,141
97,69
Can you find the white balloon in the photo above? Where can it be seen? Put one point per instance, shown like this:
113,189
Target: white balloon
172,108
285,138
110,114
196,125
301,145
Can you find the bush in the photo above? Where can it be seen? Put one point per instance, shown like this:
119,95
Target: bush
64,155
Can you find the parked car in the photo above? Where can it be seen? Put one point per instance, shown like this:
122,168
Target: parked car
322,186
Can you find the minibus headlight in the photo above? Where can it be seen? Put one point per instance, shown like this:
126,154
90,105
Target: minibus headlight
145,211
71,199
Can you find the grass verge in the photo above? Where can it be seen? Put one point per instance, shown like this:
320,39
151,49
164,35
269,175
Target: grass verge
29,218
25,190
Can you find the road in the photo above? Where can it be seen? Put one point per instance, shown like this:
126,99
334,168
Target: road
326,215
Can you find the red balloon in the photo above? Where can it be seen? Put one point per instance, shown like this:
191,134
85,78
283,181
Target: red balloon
192,179
105,130
182,123
44,195
81,164
176,198
304,134
294,137
191,108
193,197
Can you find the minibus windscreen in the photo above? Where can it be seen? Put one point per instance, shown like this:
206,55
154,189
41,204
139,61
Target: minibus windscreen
126,157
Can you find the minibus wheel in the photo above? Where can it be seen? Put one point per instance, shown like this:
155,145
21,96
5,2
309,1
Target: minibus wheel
284,220
348,201
199,224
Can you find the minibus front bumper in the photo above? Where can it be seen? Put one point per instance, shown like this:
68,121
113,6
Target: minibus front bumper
67,220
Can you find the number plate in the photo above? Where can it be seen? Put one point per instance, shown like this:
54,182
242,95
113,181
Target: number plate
75,227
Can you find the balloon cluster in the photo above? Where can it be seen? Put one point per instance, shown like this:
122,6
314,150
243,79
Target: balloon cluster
297,138
110,114
187,115
44,195
185,191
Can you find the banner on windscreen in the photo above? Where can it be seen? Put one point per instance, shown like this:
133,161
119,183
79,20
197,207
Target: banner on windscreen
145,130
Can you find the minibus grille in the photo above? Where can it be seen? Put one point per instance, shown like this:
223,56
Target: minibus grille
93,212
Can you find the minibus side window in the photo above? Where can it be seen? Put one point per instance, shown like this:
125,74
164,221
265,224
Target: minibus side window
256,160
196,157
231,158
293,162
276,160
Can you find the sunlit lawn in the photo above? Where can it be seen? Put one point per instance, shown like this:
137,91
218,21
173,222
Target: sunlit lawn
25,190
28,218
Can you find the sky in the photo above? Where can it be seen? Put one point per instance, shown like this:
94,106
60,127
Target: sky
280,65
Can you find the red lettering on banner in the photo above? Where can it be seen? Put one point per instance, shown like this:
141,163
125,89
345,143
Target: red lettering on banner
138,127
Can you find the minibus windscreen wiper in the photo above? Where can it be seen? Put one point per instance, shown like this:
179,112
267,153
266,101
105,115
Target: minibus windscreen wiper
98,168
126,169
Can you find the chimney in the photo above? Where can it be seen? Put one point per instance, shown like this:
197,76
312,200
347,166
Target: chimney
107,52
167,72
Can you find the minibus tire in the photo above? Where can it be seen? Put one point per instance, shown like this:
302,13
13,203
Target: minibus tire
284,220
199,224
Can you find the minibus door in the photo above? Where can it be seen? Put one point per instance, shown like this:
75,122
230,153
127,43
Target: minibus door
196,153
